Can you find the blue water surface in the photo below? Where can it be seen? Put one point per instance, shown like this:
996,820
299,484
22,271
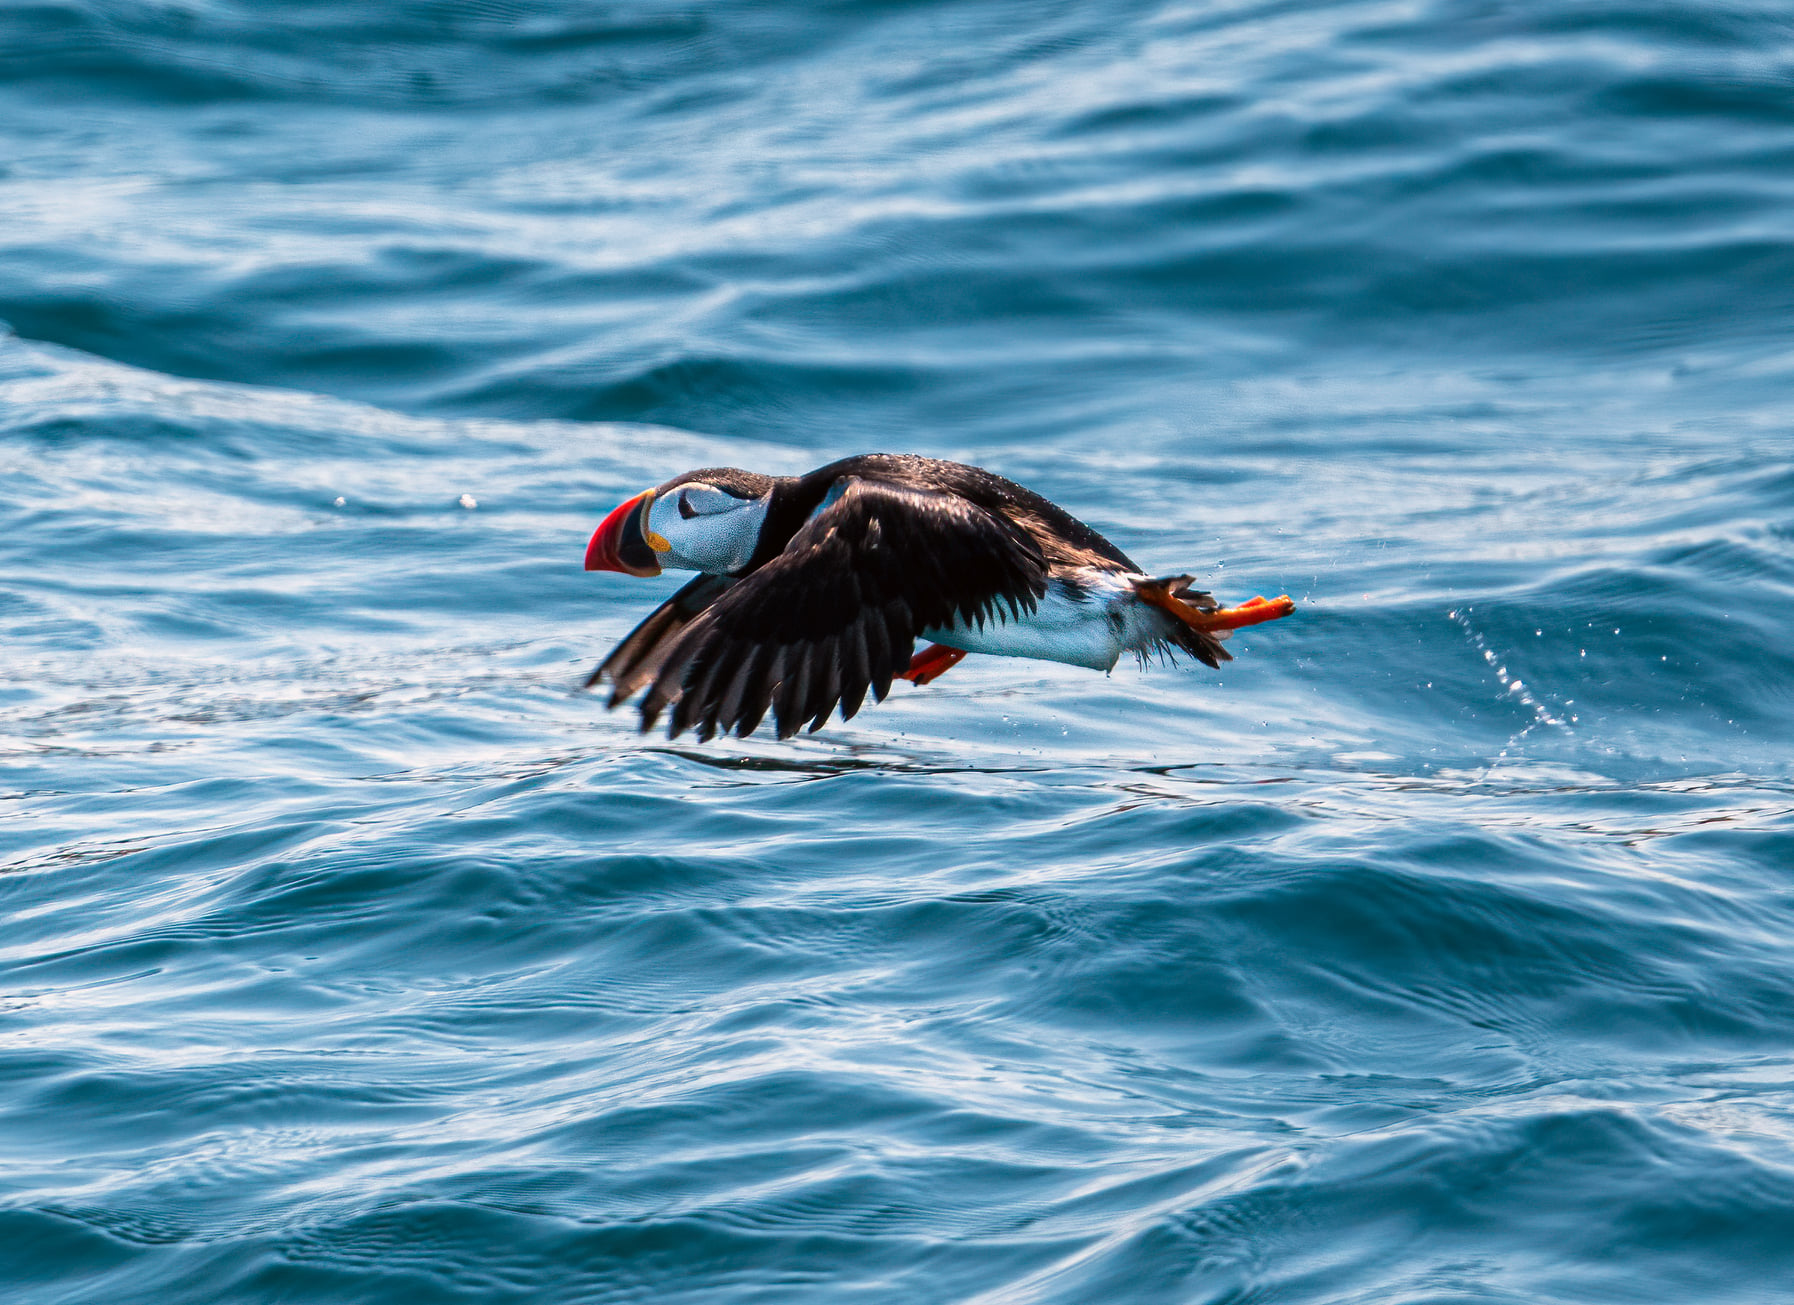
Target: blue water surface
1438,949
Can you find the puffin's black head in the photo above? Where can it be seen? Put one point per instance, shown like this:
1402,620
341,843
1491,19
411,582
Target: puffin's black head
705,520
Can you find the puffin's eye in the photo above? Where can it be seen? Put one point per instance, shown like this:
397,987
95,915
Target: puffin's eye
704,501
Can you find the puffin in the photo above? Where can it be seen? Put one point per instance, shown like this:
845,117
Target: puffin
811,591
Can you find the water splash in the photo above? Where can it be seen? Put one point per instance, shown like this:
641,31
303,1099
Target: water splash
1543,714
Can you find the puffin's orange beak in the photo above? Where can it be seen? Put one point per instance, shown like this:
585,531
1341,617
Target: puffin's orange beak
623,541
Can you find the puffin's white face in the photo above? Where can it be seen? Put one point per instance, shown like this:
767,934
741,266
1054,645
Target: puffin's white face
704,528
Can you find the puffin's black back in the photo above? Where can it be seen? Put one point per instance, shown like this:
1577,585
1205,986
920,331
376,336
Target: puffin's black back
795,499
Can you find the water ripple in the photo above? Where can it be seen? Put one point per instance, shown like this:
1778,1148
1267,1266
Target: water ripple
1435,949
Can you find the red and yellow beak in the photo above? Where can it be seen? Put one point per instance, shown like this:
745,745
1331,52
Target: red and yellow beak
624,542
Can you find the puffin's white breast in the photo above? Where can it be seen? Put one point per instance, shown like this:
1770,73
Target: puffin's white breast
1089,624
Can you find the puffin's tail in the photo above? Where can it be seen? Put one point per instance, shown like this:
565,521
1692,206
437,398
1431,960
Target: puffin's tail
1201,622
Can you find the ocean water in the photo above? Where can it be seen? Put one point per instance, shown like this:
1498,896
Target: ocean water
1438,949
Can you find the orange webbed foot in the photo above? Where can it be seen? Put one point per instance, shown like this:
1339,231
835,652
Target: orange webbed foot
1253,611
933,661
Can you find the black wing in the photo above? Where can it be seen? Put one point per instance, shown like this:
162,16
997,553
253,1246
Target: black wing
837,612
642,652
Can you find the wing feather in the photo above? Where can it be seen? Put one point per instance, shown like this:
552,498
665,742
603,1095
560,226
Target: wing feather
639,655
768,667
826,690
792,691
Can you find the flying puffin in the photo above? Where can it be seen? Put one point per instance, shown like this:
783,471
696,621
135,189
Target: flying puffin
812,590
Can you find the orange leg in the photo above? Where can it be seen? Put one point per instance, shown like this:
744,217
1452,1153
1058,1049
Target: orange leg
1252,612
936,659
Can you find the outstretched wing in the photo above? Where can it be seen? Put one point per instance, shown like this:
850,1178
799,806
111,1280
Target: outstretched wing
642,652
836,613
